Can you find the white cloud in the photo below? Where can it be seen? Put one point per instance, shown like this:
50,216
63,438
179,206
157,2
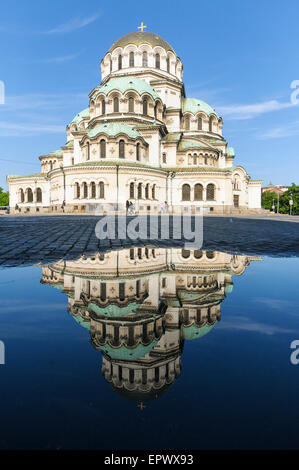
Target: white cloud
8,129
280,132
43,101
246,324
73,24
249,111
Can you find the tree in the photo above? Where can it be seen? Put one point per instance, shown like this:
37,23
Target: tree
284,200
4,197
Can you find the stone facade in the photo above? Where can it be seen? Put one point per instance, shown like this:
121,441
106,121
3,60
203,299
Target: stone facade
140,140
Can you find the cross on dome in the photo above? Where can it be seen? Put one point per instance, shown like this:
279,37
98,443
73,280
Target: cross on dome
142,26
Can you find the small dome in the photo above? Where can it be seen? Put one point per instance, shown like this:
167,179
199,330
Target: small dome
113,129
123,353
124,84
193,331
194,106
138,38
83,114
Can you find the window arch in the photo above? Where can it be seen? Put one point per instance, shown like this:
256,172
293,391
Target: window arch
77,191
21,195
131,104
138,152
185,253
103,107
199,124
146,193
210,254
139,191
132,190
186,192
157,61
39,195
102,190
144,106
93,190
168,64
144,59
154,192
211,192
211,124
29,195
187,123
198,192
87,151
102,148
131,59
121,149
120,62
115,104
85,190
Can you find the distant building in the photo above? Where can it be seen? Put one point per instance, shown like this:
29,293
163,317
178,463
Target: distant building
275,188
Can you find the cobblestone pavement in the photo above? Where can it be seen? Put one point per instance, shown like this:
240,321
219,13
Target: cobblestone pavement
28,240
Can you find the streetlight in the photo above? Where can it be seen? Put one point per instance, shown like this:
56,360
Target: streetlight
273,205
291,202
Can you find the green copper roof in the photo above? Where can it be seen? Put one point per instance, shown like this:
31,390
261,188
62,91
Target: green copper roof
82,322
187,144
57,153
123,84
228,288
81,115
125,354
112,129
193,331
194,106
138,38
172,137
230,152
113,310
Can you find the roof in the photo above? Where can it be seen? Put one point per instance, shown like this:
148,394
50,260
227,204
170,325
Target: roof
193,331
126,354
83,114
187,144
36,175
113,129
230,152
141,37
172,137
194,106
123,84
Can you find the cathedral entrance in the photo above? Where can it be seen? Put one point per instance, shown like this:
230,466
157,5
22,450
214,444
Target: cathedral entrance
236,200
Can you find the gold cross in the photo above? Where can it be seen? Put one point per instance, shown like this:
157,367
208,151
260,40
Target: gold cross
142,26
141,406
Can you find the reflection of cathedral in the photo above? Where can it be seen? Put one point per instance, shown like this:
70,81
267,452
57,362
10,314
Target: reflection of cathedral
141,304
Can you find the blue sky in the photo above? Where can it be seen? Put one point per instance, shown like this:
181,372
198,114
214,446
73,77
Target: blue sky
240,57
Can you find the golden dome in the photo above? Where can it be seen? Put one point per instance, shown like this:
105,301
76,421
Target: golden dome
144,37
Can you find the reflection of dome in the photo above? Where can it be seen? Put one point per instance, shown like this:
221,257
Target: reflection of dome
193,331
138,38
113,310
123,353
195,106
139,395
228,288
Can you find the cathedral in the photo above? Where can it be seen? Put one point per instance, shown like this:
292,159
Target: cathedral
140,141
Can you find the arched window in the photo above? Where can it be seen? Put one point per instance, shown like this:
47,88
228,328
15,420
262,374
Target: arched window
120,62
197,254
199,124
186,192
198,192
206,159
102,148
110,65
210,254
131,59
29,195
77,190
139,191
121,149
154,192
185,253
87,151
164,157
21,195
102,190
211,124
131,104
168,65
51,166
39,195
146,193
93,190
132,191
155,110
85,191
103,107
157,61
187,123
144,59
210,192
138,152
144,106
115,105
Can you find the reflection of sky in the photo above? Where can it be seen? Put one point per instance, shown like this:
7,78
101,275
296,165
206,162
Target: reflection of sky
237,388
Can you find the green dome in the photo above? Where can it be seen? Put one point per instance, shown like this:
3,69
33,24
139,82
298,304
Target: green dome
193,331
127,354
113,129
78,118
141,37
82,322
124,84
194,106
113,310
228,288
